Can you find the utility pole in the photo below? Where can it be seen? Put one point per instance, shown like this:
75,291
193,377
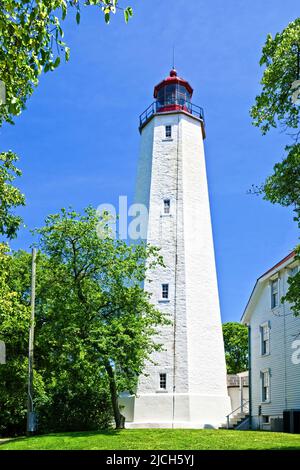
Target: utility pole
31,417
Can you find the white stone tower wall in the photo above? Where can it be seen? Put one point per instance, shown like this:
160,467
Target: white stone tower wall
193,358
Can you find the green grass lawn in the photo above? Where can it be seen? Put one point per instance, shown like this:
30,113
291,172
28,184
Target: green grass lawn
156,439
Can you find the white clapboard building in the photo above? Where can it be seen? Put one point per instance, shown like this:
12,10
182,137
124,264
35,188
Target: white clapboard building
186,385
274,369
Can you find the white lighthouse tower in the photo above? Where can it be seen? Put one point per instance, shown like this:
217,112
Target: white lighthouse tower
186,384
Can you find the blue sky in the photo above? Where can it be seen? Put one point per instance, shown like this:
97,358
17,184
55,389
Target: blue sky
78,139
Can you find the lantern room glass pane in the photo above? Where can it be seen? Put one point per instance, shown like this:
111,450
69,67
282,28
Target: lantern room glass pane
161,97
170,94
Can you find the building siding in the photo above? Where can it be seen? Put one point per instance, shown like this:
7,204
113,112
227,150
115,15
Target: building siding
284,375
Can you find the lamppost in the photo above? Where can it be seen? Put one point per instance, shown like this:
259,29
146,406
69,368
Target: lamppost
31,415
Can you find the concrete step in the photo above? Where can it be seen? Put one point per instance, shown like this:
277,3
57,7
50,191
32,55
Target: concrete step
234,421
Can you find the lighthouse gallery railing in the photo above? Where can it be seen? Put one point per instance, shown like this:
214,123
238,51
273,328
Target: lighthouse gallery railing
175,105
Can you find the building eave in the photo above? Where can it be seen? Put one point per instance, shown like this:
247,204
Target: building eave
245,319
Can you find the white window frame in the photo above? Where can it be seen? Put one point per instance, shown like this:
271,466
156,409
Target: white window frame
265,373
274,294
265,329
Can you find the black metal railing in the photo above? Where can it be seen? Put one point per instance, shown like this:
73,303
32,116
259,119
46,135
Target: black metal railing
157,107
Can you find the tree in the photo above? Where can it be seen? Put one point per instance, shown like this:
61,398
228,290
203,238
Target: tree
278,104
92,310
31,40
10,196
236,347
293,293
14,326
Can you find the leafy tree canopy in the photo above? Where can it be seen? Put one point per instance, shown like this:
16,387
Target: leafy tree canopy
236,347
279,104
281,58
93,305
95,324
10,196
32,40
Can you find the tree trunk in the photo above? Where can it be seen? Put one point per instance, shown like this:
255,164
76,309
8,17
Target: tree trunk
119,418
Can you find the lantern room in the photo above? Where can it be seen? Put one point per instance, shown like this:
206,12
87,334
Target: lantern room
173,93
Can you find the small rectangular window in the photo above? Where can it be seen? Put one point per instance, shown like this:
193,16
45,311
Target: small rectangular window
265,339
168,130
167,206
163,381
165,291
274,293
265,382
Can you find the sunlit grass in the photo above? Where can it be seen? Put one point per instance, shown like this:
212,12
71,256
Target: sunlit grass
157,439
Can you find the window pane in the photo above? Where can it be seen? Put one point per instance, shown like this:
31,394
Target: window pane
161,97
167,205
165,291
170,94
266,332
293,271
168,130
274,286
274,293
266,386
163,381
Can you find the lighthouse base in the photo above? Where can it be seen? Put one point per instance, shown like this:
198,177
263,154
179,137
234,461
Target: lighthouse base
179,410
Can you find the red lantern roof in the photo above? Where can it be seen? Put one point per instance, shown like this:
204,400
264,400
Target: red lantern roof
173,79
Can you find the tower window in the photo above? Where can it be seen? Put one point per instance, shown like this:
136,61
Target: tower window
274,293
165,291
167,206
163,381
168,130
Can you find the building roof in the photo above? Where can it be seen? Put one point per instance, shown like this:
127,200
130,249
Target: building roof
260,282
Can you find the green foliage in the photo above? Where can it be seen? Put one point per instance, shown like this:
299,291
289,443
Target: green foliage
32,40
10,197
283,187
94,324
236,347
77,397
293,293
14,325
280,56
277,105
93,307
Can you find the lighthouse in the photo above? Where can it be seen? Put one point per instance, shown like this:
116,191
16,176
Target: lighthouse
184,386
